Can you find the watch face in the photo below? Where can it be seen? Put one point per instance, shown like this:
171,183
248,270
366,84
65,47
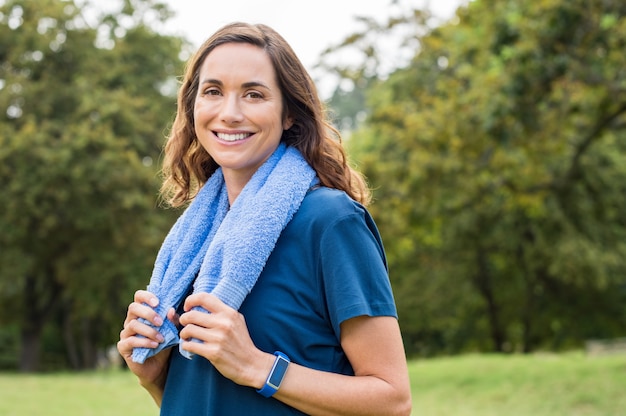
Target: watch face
278,372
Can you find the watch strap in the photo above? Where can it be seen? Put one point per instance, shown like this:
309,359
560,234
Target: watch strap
276,375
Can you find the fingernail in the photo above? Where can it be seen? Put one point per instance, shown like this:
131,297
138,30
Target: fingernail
158,321
160,337
153,302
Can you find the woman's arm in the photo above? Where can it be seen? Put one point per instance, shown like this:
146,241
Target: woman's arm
372,344
380,385
135,334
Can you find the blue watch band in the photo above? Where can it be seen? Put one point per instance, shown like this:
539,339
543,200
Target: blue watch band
276,375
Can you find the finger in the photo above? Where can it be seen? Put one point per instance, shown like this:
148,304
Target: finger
143,296
201,335
139,310
136,327
198,347
127,345
195,317
173,317
206,300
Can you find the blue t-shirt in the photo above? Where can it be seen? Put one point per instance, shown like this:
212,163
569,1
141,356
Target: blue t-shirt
328,266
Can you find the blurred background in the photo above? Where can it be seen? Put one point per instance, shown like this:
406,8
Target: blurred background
492,132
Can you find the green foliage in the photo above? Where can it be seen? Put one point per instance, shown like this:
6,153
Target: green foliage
82,119
498,159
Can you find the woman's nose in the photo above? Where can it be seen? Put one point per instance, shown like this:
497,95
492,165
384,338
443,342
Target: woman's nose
231,110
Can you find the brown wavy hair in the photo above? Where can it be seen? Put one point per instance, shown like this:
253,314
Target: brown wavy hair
187,166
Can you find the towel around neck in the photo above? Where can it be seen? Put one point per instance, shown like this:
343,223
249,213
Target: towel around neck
220,249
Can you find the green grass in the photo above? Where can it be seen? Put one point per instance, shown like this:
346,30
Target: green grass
536,385
104,393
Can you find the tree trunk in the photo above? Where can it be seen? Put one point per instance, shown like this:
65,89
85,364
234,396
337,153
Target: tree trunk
483,283
38,304
528,312
31,346
30,330
89,350
528,239
69,338
527,346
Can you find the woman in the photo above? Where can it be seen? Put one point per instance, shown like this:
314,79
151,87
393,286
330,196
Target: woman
314,329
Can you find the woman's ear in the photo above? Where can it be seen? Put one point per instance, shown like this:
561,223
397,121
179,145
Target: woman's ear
287,123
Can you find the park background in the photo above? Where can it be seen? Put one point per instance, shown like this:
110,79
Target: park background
494,139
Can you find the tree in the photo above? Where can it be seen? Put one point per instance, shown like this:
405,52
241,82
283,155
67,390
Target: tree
84,109
498,162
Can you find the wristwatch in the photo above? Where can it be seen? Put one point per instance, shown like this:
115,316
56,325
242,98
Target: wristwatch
276,375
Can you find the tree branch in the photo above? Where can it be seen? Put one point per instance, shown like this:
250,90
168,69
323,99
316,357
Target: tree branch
600,126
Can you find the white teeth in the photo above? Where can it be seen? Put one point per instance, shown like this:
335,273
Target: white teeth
232,137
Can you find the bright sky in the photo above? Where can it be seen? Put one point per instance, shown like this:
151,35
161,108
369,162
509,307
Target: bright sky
309,27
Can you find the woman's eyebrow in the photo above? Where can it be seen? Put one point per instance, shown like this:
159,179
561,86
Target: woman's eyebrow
212,81
250,84
253,84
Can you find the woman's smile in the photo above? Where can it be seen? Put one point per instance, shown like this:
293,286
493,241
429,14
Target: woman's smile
233,137
238,110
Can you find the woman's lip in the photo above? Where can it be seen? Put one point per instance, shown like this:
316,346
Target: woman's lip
232,137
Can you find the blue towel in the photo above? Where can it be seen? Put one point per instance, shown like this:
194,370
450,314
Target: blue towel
226,248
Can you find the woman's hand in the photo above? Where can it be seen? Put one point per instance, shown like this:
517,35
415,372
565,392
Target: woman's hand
226,342
135,334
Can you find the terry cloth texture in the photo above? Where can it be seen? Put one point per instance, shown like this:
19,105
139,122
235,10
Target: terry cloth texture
226,248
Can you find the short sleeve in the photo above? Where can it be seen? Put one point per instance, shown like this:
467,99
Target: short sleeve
354,269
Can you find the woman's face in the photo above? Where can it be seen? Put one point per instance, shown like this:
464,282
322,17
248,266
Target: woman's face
238,109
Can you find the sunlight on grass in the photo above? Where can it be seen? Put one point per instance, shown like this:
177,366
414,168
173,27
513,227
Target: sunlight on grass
536,385
472,385
66,394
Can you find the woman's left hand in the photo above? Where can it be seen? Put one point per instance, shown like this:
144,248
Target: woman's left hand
226,342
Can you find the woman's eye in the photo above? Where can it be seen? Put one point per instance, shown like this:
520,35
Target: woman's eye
253,94
211,91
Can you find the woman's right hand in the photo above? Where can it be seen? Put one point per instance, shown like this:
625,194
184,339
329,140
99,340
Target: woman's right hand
153,371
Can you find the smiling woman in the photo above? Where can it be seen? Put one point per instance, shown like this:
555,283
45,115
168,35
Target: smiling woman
238,114
273,284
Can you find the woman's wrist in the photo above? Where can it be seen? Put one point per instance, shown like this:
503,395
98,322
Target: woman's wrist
156,385
262,370
155,389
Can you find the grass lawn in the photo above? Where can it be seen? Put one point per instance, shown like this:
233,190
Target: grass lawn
536,385
74,394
